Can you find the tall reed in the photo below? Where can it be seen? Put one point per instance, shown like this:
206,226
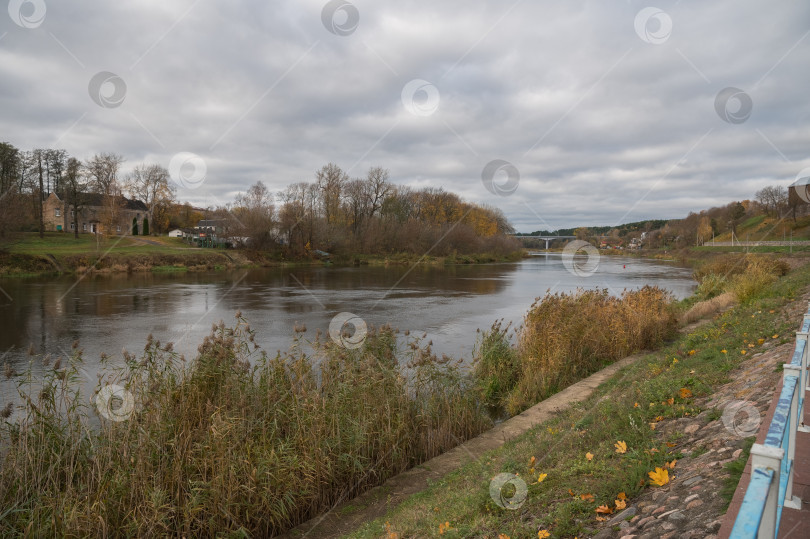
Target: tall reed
568,336
235,441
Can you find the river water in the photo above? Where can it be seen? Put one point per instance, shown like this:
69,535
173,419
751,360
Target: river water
108,313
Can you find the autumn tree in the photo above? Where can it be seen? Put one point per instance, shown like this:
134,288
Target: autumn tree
704,230
150,184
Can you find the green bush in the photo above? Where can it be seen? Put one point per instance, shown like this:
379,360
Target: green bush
711,285
497,365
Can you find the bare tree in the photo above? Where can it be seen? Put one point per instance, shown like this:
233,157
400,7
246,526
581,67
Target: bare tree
73,187
102,172
39,157
774,198
150,184
331,180
379,188
255,214
56,162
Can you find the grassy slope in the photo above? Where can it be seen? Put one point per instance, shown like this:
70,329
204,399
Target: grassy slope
462,498
763,228
27,255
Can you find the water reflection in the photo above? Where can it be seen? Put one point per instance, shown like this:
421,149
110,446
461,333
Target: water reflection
111,313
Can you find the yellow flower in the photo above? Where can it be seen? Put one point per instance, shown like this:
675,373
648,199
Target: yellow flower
589,455
444,528
760,341
543,534
691,352
621,447
724,351
775,336
635,405
743,352
542,477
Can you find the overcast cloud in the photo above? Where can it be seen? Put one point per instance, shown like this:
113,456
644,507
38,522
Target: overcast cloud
606,118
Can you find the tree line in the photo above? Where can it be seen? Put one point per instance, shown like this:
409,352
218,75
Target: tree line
27,177
332,212
337,213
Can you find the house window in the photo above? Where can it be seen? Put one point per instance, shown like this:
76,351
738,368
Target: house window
57,212
73,226
118,229
73,213
84,227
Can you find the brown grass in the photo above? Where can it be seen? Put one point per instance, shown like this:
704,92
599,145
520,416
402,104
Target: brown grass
709,307
566,337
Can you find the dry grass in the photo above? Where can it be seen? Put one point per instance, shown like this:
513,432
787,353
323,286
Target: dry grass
566,337
708,307
744,275
235,442
729,265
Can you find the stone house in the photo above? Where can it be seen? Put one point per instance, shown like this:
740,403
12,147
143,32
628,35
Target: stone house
122,215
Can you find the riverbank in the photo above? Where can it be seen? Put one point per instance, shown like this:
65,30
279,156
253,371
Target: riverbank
645,454
58,253
216,443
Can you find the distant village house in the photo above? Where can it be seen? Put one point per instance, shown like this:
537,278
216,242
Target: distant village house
120,214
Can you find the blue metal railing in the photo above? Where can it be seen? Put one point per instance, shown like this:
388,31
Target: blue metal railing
753,507
768,493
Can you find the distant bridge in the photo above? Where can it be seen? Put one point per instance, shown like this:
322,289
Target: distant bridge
547,239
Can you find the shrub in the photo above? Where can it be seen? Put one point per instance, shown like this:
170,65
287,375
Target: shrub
754,280
735,264
496,365
711,285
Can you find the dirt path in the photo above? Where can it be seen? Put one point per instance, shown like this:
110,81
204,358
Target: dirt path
349,515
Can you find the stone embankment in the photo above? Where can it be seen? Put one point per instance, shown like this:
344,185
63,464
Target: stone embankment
692,505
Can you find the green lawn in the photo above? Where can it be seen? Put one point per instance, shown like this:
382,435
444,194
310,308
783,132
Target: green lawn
63,244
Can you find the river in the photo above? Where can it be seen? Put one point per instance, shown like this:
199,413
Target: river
108,313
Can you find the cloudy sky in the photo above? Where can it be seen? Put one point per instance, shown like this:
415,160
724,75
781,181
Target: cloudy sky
609,112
